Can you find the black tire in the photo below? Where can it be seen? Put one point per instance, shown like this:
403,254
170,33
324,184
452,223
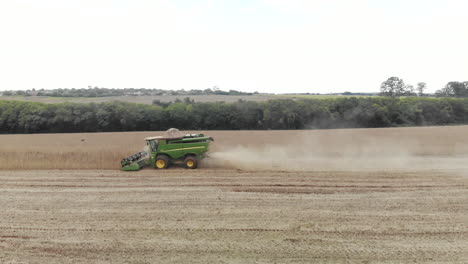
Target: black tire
191,162
162,162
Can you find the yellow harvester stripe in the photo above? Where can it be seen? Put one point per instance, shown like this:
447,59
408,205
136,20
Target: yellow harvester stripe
182,149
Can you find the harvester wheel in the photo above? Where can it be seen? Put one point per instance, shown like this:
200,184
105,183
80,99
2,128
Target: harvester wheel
191,162
161,162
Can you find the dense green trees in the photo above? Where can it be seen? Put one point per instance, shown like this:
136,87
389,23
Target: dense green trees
346,112
454,89
395,87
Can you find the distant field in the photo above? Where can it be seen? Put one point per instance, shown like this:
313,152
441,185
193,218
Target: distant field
140,99
315,96
166,98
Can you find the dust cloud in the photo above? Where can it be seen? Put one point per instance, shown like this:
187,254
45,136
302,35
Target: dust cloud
341,153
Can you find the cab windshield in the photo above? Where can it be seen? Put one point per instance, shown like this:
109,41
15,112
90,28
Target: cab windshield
153,144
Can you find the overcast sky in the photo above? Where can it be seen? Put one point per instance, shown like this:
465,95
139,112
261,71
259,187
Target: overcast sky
250,45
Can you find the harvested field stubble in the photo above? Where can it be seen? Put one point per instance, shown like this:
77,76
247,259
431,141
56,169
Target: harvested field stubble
232,216
424,147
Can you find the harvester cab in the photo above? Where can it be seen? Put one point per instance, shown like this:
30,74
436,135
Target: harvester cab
171,148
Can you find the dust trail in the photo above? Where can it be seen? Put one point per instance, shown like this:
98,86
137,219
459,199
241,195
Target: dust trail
343,153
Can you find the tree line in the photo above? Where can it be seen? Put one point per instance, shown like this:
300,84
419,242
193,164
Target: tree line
346,112
106,92
392,87
396,87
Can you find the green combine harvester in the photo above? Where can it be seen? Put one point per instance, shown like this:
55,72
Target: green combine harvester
172,148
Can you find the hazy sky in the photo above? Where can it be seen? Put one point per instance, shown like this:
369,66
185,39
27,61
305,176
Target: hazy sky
249,45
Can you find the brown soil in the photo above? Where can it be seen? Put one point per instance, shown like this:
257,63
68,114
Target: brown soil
216,215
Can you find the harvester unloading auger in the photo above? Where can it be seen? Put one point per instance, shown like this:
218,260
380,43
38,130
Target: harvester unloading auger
172,147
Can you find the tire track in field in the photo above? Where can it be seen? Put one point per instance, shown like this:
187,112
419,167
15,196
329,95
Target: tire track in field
291,246
292,231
